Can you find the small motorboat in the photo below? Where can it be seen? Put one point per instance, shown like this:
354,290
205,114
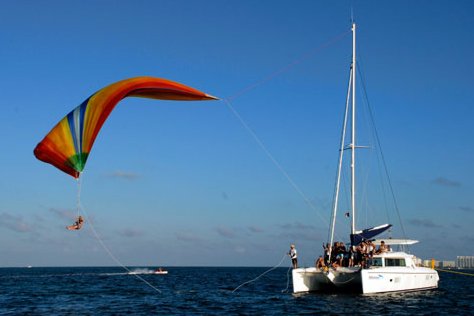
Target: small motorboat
160,271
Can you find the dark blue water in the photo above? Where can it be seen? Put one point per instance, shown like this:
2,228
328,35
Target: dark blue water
207,291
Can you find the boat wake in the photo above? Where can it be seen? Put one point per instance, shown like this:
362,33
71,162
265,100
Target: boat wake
130,272
141,271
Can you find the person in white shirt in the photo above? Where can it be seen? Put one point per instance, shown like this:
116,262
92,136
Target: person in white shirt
294,256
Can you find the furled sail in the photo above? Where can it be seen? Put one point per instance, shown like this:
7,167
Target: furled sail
368,233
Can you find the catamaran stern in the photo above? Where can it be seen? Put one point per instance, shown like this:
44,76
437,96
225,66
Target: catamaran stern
314,280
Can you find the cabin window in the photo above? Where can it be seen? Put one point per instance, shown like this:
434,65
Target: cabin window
395,262
376,262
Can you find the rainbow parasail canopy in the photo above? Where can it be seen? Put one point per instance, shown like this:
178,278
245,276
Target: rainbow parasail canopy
69,143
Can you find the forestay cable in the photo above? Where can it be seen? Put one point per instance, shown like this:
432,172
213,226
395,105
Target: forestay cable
289,66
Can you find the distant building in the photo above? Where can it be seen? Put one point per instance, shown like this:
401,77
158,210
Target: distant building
465,262
446,264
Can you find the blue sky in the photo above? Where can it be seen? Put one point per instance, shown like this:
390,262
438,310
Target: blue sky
181,184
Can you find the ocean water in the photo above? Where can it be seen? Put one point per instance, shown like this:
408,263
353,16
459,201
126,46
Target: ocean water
207,291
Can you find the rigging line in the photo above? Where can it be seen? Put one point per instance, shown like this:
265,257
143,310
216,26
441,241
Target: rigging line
382,156
271,269
365,170
275,162
78,202
287,280
288,66
364,193
371,122
457,272
112,256
344,282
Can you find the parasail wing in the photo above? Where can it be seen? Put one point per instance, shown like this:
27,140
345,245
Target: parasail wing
68,145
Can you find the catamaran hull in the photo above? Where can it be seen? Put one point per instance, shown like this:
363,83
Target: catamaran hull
382,281
364,281
315,280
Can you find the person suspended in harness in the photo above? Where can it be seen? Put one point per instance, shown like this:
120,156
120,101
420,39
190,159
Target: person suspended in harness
294,256
77,224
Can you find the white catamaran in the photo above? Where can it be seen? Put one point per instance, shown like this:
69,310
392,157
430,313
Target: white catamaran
388,271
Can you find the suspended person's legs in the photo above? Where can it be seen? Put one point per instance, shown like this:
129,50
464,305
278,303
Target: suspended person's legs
77,225
72,227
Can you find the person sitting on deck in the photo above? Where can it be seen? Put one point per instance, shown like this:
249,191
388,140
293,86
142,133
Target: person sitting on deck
77,224
320,263
382,248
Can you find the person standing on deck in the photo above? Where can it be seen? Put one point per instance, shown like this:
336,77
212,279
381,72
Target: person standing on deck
294,256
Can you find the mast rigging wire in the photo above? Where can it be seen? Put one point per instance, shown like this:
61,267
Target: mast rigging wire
382,155
289,66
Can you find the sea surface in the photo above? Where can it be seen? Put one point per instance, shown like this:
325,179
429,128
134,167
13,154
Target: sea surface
207,291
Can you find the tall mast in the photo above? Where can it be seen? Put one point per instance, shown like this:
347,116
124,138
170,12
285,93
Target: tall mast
353,144
350,96
339,166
